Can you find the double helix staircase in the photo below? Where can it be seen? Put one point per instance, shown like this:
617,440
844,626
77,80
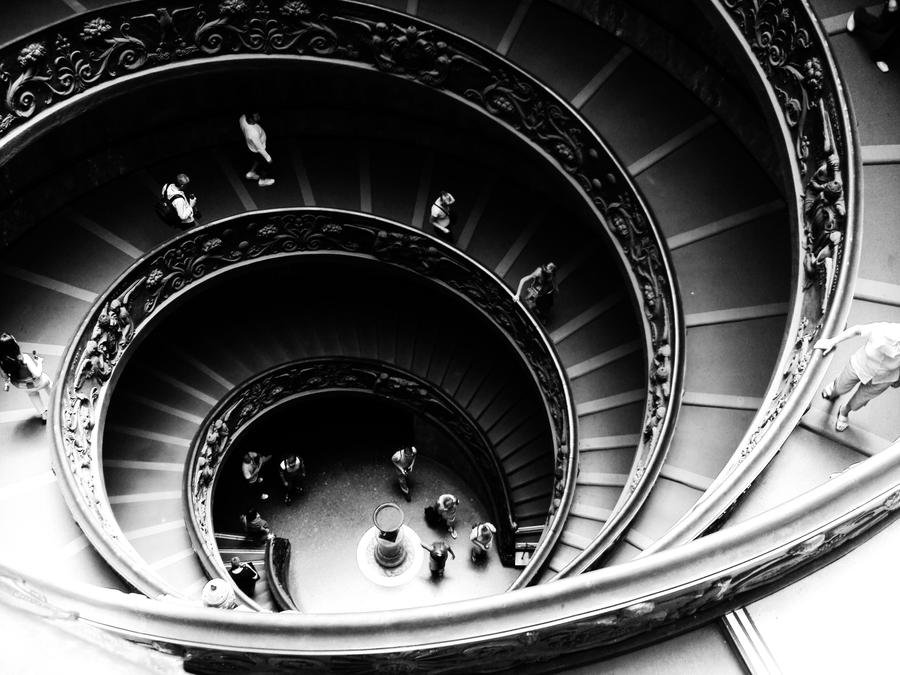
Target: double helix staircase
200,354
709,196
722,217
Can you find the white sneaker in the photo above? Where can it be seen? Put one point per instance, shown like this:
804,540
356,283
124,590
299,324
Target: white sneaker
251,175
266,182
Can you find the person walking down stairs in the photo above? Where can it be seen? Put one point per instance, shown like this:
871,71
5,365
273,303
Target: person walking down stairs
255,136
25,371
441,217
879,33
537,291
872,369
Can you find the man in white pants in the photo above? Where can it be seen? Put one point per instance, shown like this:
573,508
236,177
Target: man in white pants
874,367
255,136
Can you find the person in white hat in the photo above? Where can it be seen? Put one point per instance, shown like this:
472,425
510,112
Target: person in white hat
872,369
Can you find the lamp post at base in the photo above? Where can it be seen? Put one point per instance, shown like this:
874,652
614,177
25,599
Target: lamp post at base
390,551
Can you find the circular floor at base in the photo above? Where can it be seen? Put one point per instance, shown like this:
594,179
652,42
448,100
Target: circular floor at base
326,524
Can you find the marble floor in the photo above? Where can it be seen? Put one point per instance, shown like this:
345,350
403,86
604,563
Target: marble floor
326,523
349,474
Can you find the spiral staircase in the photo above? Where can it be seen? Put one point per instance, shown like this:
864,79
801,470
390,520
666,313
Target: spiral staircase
715,195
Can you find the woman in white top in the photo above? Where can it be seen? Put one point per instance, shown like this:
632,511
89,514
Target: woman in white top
874,367
25,371
255,137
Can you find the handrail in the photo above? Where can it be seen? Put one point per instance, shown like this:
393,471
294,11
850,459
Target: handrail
608,611
278,559
784,48
52,73
248,402
97,354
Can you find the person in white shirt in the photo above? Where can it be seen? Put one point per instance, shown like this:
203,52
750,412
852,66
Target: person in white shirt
482,538
446,506
24,371
874,367
442,216
255,136
185,205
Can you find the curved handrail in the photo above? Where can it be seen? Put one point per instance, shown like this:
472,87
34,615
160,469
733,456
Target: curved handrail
278,558
247,403
54,69
97,354
782,44
607,611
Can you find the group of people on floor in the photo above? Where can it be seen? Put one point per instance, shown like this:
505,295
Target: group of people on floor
441,514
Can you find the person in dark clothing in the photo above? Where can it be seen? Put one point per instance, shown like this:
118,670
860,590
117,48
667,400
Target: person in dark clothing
244,576
292,472
537,291
254,524
878,33
438,552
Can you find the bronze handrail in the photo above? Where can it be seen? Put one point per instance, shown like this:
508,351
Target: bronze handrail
785,51
278,560
608,611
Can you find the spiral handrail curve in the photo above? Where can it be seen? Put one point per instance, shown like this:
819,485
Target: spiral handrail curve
786,54
110,333
248,402
49,72
607,611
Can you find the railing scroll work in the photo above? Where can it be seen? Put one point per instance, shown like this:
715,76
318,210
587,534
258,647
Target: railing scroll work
165,275
782,41
44,75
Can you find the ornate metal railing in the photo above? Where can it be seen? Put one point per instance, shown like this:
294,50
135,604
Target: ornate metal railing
53,73
101,346
608,611
278,560
788,58
261,394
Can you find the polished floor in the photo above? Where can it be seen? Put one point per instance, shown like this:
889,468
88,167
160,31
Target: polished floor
346,443
326,523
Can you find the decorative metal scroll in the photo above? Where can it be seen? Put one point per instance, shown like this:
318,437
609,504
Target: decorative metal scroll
173,268
785,41
261,394
783,38
45,71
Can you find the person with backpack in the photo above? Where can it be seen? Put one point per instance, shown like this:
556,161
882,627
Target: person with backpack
442,216
175,206
26,372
